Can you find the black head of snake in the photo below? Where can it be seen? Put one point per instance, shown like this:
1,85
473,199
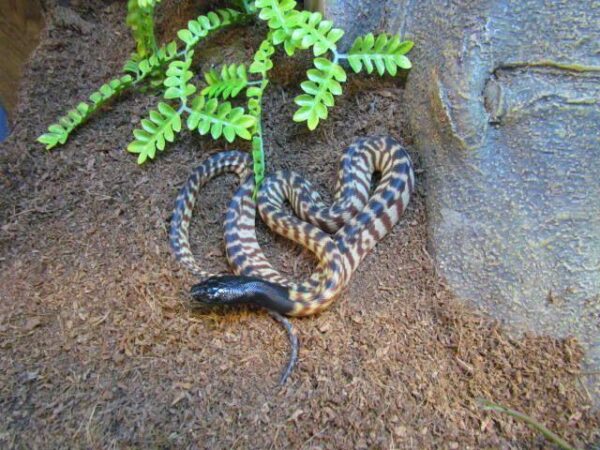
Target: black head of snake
235,290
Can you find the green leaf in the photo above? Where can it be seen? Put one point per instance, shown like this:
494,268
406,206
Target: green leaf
283,19
403,62
186,36
262,64
220,119
262,58
178,75
383,53
59,132
228,83
156,131
310,30
254,106
140,21
275,12
152,65
199,28
322,85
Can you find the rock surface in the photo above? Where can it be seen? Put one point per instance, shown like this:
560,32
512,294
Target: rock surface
504,104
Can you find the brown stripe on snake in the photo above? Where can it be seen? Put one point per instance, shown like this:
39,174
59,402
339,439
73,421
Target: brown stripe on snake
340,235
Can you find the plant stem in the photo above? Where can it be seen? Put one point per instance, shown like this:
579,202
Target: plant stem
550,435
337,56
183,108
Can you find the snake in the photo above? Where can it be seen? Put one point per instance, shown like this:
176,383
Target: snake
340,235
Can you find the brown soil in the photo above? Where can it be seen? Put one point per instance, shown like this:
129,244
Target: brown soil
99,349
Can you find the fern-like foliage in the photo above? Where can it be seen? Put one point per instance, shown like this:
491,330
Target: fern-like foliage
310,30
158,129
220,119
228,83
141,22
109,90
262,62
382,53
304,30
323,83
178,77
276,13
199,28
152,65
282,17
210,111
59,132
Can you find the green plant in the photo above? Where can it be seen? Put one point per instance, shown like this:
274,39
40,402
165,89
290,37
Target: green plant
140,18
210,110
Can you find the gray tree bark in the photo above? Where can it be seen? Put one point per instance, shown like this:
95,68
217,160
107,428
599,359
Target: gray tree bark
504,103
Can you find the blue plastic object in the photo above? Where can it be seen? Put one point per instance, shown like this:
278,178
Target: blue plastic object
3,124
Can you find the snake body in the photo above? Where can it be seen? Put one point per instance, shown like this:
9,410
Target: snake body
340,235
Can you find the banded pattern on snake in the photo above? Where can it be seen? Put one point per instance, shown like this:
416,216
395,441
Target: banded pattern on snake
340,235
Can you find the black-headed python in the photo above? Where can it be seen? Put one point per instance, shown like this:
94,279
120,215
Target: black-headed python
339,235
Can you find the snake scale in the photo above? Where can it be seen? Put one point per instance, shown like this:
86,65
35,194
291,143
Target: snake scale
340,235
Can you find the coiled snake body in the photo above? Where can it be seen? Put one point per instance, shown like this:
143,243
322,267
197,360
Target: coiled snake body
339,235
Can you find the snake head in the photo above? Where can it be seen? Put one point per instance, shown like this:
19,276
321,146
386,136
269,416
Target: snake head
239,289
215,291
